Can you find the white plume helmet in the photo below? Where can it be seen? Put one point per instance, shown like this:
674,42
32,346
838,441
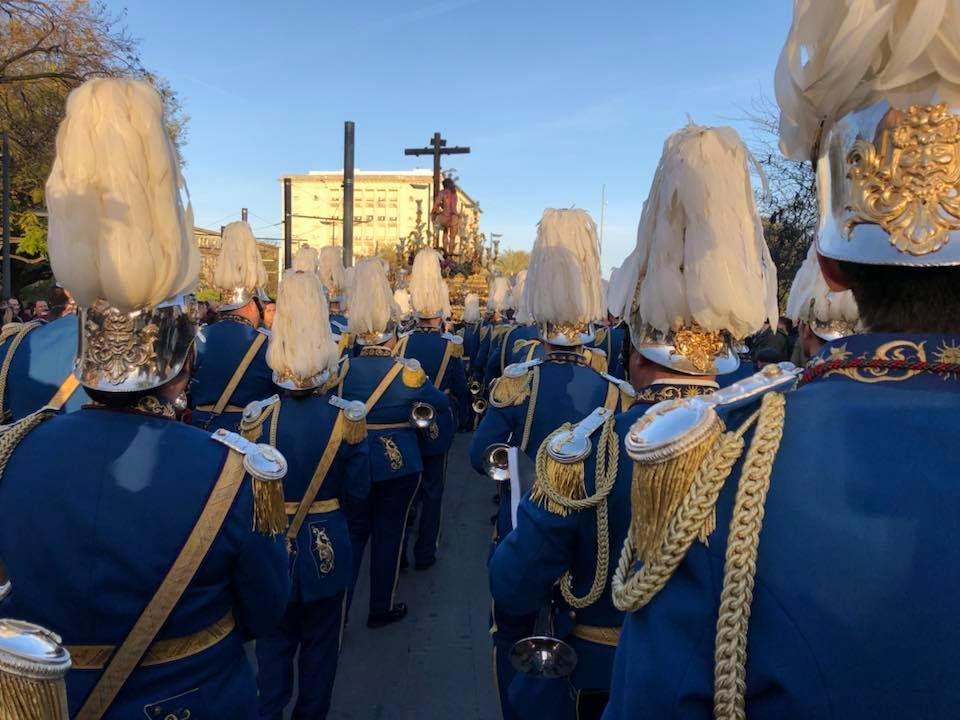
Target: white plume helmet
332,273
307,259
447,310
401,296
373,312
499,294
239,268
119,228
302,351
471,308
563,277
701,262
844,55
831,315
519,294
426,284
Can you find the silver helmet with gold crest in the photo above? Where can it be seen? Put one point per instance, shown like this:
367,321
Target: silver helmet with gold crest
700,278
121,236
871,94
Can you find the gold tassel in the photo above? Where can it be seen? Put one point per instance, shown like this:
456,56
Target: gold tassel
269,511
658,490
354,431
597,360
413,378
566,479
508,391
456,350
29,699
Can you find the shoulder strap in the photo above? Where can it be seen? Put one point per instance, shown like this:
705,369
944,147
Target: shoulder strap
447,354
64,392
18,334
158,610
384,384
319,475
401,347
531,408
239,373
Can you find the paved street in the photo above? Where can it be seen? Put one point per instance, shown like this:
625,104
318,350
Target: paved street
436,664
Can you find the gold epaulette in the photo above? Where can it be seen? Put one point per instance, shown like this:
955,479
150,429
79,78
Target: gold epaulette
513,387
267,467
354,414
521,344
596,359
413,375
255,414
499,331
454,343
600,336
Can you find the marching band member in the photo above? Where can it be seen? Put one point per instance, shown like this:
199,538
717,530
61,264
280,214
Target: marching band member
151,550
573,523
440,355
232,367
498,305
391,388
520,334
334,279
822,591
324,440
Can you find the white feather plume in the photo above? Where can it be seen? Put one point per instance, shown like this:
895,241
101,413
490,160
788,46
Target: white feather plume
306,259
471,308
331,270
301,343
811,298
372,306
401,296
119,229
521,299
843,55
239,264
563,278
426,283
701,257
499,294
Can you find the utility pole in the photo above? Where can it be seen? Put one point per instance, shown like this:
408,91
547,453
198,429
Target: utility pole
7,250
348,172
287,225
243,214
603,207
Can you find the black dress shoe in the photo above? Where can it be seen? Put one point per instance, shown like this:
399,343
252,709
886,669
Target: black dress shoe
395,614
421,566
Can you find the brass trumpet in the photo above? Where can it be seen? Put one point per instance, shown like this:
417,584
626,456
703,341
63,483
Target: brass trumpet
475,387
422,416
479,406
542,655
496,462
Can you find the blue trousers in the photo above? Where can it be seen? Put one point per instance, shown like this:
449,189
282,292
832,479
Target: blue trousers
430,499
314,630
508,629
382,520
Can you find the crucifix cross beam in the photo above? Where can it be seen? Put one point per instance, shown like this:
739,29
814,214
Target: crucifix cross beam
438,148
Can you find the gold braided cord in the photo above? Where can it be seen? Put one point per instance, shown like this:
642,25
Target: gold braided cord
740,567
531,409
633,590
15,433
19,332
24,698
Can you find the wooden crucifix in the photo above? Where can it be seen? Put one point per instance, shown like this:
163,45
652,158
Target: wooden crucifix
438,147
446,218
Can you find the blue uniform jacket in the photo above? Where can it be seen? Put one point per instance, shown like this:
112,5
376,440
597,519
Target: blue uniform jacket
429,347
90,530
483,348
501,351
610,340
41,363
224,346
855,603
545,545
302,429
471,342
558,392
394,445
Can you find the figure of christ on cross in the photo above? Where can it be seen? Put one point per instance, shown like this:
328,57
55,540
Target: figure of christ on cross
444,212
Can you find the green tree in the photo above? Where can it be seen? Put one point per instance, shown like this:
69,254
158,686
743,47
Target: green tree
47,48
512,262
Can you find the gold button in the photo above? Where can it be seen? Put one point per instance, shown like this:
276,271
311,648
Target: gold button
573,615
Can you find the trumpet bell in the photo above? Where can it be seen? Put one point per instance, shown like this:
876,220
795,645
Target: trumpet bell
496,462
479,406
475,387
422,415
543,657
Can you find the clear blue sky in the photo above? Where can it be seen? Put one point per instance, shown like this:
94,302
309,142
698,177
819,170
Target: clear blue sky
555,97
